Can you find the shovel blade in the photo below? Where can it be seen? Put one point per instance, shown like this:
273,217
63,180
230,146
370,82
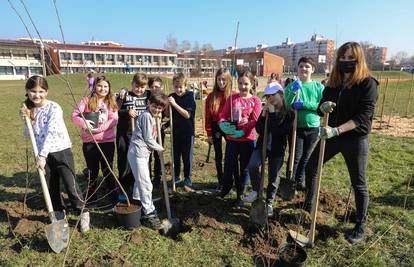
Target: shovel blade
287,189
170,227
302,240
57,234
258,213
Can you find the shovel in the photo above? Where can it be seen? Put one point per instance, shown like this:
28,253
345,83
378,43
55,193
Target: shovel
172,150
258,213
169,226
57,232
301,239
287,185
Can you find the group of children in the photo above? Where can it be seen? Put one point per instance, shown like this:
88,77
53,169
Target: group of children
127,122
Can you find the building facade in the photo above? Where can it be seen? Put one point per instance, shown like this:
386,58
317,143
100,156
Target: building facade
19,59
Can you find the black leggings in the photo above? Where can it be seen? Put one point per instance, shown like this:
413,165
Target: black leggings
218,136
93,159
61,165
124,171
355,152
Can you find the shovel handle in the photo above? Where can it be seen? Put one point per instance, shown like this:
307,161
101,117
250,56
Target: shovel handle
208,153
164,178
132,124
264,153
318,182
292,148
172,148
43,183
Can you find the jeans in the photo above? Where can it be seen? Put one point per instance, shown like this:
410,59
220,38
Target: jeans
183,148
60,165
306,140
236,151
355,152
274,171
94,159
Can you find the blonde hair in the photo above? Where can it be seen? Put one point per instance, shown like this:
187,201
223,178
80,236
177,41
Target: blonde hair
215,101
361,72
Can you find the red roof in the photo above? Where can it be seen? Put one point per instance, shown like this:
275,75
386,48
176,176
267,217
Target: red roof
101,48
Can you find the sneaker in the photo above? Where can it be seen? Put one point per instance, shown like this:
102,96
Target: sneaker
177,181
239,204
300,187
269,209
121,198
357,234
85,221
188,182
151,220
250,197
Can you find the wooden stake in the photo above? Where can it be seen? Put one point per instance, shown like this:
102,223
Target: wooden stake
393,100
409,96
383,102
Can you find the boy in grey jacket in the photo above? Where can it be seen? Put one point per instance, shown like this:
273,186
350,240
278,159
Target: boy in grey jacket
143,142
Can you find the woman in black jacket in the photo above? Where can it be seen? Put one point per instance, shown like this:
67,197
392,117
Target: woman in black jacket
350,97
279,127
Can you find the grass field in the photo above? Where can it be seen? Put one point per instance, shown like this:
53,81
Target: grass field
215,234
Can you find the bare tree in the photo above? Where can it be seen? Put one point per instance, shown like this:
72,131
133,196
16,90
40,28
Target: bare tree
400,58
185,46
196,47
206,48
171,44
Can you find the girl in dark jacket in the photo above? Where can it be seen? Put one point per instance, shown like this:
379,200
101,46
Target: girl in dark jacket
279,127
350,98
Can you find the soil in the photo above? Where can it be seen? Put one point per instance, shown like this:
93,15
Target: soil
123,208
136,237
293,254
399,126
27,228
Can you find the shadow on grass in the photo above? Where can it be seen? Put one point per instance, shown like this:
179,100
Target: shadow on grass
396,196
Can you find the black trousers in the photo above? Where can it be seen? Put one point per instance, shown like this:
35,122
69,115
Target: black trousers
60,165
306,140
355,152
95,161
218,137
126,177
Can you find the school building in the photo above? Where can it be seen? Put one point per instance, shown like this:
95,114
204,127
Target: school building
109,57
22,58
19,59
260,63
194,65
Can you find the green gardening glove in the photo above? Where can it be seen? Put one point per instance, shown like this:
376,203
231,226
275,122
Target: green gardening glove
227,127
327,107
237,134
328,132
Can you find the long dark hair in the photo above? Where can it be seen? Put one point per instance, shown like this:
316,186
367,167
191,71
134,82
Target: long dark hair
31,83
110,100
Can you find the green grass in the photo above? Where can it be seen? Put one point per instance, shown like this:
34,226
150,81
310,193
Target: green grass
391,163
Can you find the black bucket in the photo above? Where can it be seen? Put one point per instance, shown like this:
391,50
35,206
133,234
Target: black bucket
92,116
128,217
292,255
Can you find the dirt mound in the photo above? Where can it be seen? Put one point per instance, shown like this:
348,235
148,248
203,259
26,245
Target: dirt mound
115,259
16,209
136,237
28,228
399,126
265,242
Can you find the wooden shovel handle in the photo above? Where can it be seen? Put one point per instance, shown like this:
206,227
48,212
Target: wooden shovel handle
315,200
43,183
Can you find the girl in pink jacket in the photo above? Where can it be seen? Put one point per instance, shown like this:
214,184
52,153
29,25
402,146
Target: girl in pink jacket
98,129
238,120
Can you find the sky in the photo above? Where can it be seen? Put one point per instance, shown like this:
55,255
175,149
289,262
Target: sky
149,23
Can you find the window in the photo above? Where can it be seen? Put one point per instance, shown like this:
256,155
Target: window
88,57
129,58
77,56
21,70
36,71
110,57
120,58
5,70
5,54
99,57
65,56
